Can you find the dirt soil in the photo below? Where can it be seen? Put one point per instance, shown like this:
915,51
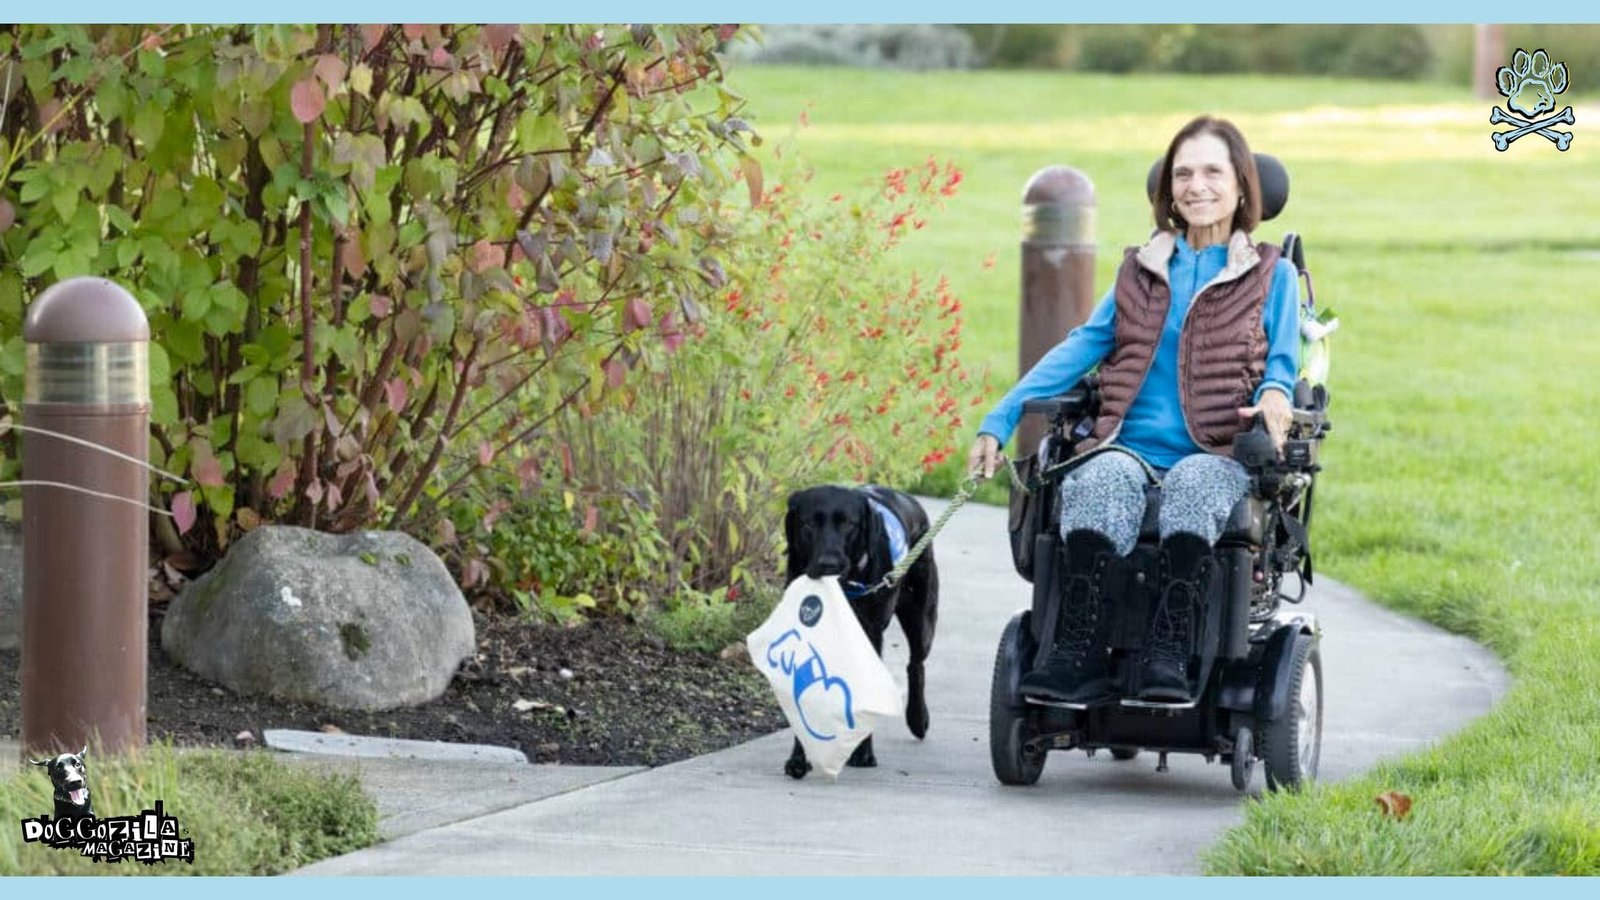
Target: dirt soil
606,693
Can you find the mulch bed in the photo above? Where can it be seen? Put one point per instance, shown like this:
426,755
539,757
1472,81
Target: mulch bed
606,693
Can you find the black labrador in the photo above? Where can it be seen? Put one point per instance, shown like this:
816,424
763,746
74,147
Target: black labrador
834,531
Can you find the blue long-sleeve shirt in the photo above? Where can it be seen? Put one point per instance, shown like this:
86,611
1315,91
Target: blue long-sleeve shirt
1154,427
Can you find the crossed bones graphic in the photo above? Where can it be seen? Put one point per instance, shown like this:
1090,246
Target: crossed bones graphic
1503,139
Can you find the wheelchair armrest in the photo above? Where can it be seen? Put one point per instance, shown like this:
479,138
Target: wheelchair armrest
1070,410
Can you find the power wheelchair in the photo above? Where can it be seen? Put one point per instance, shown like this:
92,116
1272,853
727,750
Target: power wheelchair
1255,665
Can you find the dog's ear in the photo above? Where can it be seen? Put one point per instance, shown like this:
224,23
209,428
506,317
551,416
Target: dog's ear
84,753
879,563
796,561
40,762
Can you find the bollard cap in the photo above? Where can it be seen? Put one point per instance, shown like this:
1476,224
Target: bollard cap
85,310
1058,208
1059,185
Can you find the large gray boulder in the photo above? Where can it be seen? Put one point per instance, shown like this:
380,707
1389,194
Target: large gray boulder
368,620
10,586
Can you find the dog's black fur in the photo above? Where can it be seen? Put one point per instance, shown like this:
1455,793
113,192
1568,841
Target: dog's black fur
833,531
68,774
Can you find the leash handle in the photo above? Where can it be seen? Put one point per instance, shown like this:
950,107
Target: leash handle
899,571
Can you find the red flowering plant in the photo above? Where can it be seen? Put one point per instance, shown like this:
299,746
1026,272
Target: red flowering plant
810,359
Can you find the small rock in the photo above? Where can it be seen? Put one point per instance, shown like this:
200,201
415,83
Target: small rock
566,674
219,692
734,650
331,728
550,748
244,739
529,705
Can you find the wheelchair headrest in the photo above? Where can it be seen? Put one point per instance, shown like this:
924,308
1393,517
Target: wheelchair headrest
1274,184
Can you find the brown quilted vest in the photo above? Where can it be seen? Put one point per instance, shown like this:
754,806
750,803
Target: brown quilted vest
1222,354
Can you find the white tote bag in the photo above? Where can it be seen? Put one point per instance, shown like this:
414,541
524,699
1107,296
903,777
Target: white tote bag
833,688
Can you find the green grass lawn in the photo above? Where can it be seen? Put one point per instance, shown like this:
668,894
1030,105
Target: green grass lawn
247,813
1460,479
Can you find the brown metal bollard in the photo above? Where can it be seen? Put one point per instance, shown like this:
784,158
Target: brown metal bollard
1057,271
85,558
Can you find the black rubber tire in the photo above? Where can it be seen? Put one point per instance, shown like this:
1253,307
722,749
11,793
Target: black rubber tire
1008,719
1124,754
1280,738
1243,763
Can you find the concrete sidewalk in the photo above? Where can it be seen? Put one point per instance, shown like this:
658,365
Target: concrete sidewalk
931,808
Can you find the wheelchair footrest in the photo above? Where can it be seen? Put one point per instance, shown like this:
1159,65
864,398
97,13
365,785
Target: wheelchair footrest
1058,704
1136,703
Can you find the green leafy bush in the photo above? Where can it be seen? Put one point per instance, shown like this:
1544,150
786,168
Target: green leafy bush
1012,46
375,259
1114,48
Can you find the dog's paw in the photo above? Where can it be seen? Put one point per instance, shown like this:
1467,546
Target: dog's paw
917,719
796,768
863,758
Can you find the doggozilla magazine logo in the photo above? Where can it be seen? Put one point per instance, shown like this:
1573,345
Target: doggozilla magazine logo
150,837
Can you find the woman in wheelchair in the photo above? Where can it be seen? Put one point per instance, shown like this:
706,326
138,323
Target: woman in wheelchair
1198,336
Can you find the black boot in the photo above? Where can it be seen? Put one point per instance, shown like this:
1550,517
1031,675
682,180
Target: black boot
1076,667
1189,573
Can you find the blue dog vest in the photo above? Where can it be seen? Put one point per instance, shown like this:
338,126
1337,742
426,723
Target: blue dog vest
897,545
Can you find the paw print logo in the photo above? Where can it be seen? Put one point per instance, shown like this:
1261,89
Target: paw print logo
1530,85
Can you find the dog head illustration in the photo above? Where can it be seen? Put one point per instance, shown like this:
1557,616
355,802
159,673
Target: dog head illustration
69,775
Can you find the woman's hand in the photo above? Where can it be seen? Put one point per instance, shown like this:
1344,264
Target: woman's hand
1275,410
985,456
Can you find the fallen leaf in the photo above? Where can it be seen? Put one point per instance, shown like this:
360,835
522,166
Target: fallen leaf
331,729
249,519
529,705
8,215
1394,804
244,739
734,650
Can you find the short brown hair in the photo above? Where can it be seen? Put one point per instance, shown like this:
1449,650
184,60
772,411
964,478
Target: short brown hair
1248,215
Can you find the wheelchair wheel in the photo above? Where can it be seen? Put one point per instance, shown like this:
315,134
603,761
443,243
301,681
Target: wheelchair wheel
1009,730
1291,746
1244,762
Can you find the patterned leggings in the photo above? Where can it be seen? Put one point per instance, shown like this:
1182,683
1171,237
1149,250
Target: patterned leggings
1106,494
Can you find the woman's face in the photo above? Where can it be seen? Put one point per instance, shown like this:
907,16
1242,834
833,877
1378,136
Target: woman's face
1204,184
